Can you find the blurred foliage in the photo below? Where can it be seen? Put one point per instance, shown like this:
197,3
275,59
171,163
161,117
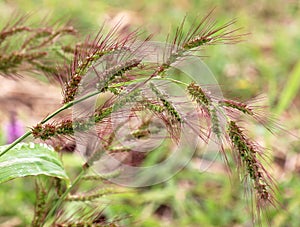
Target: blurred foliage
263,64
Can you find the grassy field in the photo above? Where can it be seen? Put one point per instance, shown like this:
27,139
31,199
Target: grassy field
264,66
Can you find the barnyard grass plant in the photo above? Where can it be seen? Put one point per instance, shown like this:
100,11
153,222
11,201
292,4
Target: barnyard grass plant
122,77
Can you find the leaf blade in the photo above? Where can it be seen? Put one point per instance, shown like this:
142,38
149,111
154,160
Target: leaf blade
29,159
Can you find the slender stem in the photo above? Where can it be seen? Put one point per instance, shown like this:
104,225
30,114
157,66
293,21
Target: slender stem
145,79
128,82
175,81
62,198
20,139
70,104
66,106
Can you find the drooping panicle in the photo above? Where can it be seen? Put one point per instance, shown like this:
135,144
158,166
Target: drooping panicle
31,49
247,155
169,107
208,105
88,54
206,32
199,95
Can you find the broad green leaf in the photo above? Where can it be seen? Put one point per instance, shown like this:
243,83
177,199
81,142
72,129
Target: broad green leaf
30,159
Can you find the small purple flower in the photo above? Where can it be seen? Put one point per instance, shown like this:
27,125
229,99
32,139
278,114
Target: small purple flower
14,128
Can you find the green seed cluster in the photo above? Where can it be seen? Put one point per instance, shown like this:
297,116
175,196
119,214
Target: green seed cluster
90,197
198,95
196,42
167,105
102,113
12,31
44,132
248,155
152,106
105,176
132,96
115,71
216,128
40,205
71,87
244,108
31,53
107,76
67,127
13,60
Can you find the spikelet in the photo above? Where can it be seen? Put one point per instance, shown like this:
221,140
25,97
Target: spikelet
67,127
242,107
40,204
206,32
248,157
169,107
115,71
92,196
87,214
199,95
89,53
207,104
99,177
34,53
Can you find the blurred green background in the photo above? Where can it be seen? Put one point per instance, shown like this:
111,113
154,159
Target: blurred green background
265,64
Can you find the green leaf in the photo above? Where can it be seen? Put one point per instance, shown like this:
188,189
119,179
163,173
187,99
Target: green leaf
30,159
290,90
